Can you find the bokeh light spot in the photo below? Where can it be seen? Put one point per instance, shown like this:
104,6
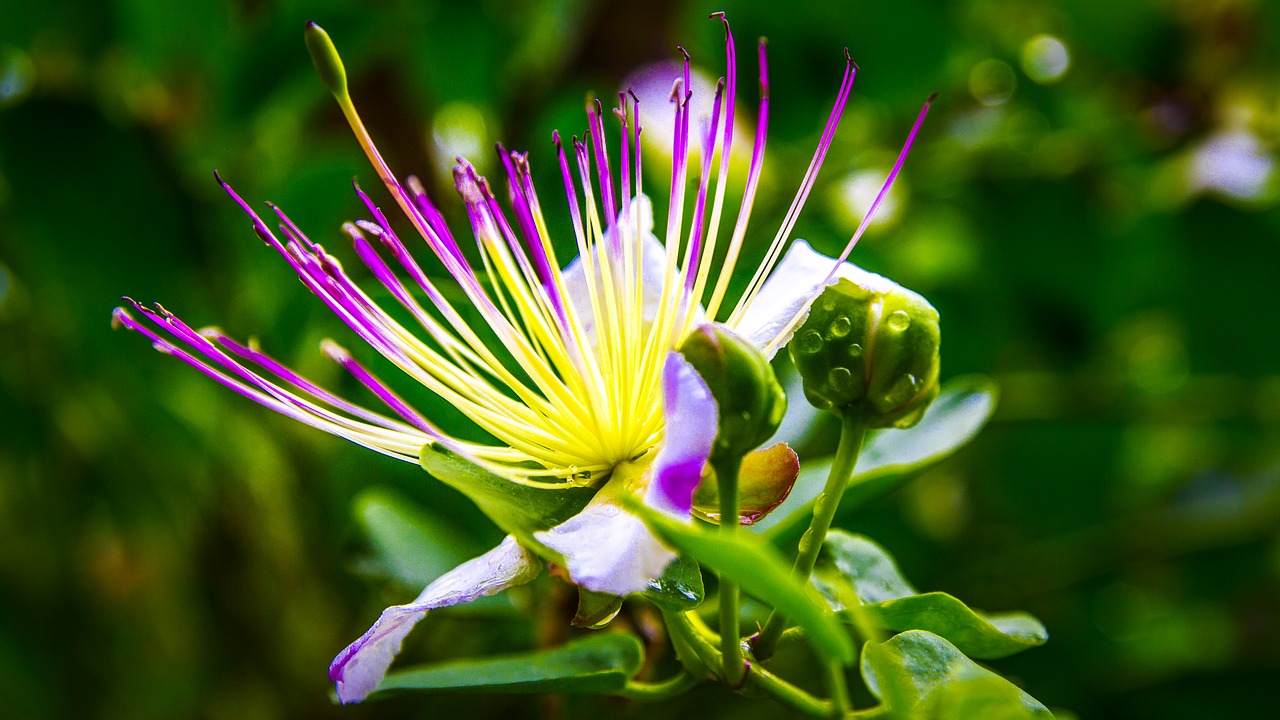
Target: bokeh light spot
1045,59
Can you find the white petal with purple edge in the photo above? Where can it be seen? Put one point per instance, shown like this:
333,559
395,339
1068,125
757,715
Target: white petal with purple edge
794,284
358,669
692,419
609,550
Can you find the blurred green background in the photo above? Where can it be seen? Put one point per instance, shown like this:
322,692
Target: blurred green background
1092,206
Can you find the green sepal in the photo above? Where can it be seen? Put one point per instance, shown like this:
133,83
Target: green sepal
679,587
892,457
759,569
765,478
600,663
922,676
595,609
517,509
862,582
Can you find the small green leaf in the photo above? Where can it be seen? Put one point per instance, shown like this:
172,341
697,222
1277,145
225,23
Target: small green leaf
981,636
760,570
854,571
920,675
679,588
891,457
600,663
409,545
517,509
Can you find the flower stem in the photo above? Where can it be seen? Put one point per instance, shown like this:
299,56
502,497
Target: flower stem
852,432
730,635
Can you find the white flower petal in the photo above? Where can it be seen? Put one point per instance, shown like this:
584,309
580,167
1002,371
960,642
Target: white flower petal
794,284
362,665
607,549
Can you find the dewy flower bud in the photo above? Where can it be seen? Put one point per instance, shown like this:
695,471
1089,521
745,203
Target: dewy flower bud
871,348
746,391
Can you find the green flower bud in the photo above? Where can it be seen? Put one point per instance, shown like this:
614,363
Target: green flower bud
870,348
751,403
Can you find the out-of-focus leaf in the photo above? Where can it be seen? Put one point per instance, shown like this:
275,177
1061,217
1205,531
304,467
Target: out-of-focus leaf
764,481
679,587
891,457
598,664
409,545
517,509
920,675
760,571
853,570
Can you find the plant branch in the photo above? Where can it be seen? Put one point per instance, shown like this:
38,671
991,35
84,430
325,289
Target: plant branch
852,432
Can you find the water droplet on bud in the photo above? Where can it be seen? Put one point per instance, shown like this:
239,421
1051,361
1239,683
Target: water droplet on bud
898,321
841,326
810,342
841,379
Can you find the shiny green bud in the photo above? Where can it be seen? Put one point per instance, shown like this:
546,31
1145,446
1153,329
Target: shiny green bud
870,347
750,401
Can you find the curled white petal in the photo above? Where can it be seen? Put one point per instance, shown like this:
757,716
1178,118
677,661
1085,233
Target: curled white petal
792,287
362,665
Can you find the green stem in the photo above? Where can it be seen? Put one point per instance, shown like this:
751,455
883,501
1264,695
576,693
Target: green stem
678,684
839,687
852,433
787,694
730,636
679,625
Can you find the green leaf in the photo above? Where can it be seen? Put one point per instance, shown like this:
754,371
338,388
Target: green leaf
978,635
855,560
760,570
861,581
600,663
410,546
891,457
679,588
920,675
517,509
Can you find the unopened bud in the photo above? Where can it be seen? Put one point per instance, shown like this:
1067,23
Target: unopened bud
746,391
870,348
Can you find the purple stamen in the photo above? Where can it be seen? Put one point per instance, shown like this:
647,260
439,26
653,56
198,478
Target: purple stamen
624,161
594,116
340,355
570,189
884,189
824,144
704,182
